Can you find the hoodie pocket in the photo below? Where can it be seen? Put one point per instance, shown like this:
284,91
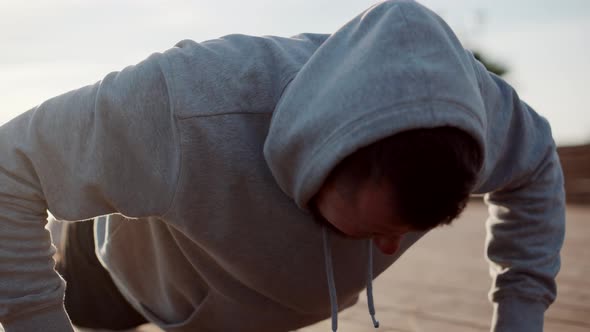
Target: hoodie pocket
180,326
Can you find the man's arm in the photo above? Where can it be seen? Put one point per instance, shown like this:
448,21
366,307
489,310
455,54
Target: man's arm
106,148
523,180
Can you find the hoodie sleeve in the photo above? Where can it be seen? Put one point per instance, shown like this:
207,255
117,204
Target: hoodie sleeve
523,182
106,148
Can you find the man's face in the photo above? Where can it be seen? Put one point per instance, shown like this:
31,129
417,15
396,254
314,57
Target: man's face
368,213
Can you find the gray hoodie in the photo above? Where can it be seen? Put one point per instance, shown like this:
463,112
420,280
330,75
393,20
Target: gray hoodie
199,163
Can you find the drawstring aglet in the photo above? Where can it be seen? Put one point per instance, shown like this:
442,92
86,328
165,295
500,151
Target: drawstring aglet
370,286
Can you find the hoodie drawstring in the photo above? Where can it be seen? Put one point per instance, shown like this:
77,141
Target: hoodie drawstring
332,284
330,276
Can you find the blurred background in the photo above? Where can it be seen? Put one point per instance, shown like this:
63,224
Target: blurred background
48,47
52,46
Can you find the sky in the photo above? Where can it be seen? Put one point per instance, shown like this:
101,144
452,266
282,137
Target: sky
48,47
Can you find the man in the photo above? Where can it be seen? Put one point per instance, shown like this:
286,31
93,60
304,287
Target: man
207,165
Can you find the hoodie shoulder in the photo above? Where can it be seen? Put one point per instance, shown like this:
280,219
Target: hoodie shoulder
234,73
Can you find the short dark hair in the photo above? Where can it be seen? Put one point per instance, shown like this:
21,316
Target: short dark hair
431,171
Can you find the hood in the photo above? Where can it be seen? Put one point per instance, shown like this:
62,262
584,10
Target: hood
396,66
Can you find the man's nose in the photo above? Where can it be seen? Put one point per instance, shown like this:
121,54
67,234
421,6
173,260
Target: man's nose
387,245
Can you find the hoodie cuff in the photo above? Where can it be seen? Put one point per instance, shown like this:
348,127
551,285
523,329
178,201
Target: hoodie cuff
518,314
51,319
